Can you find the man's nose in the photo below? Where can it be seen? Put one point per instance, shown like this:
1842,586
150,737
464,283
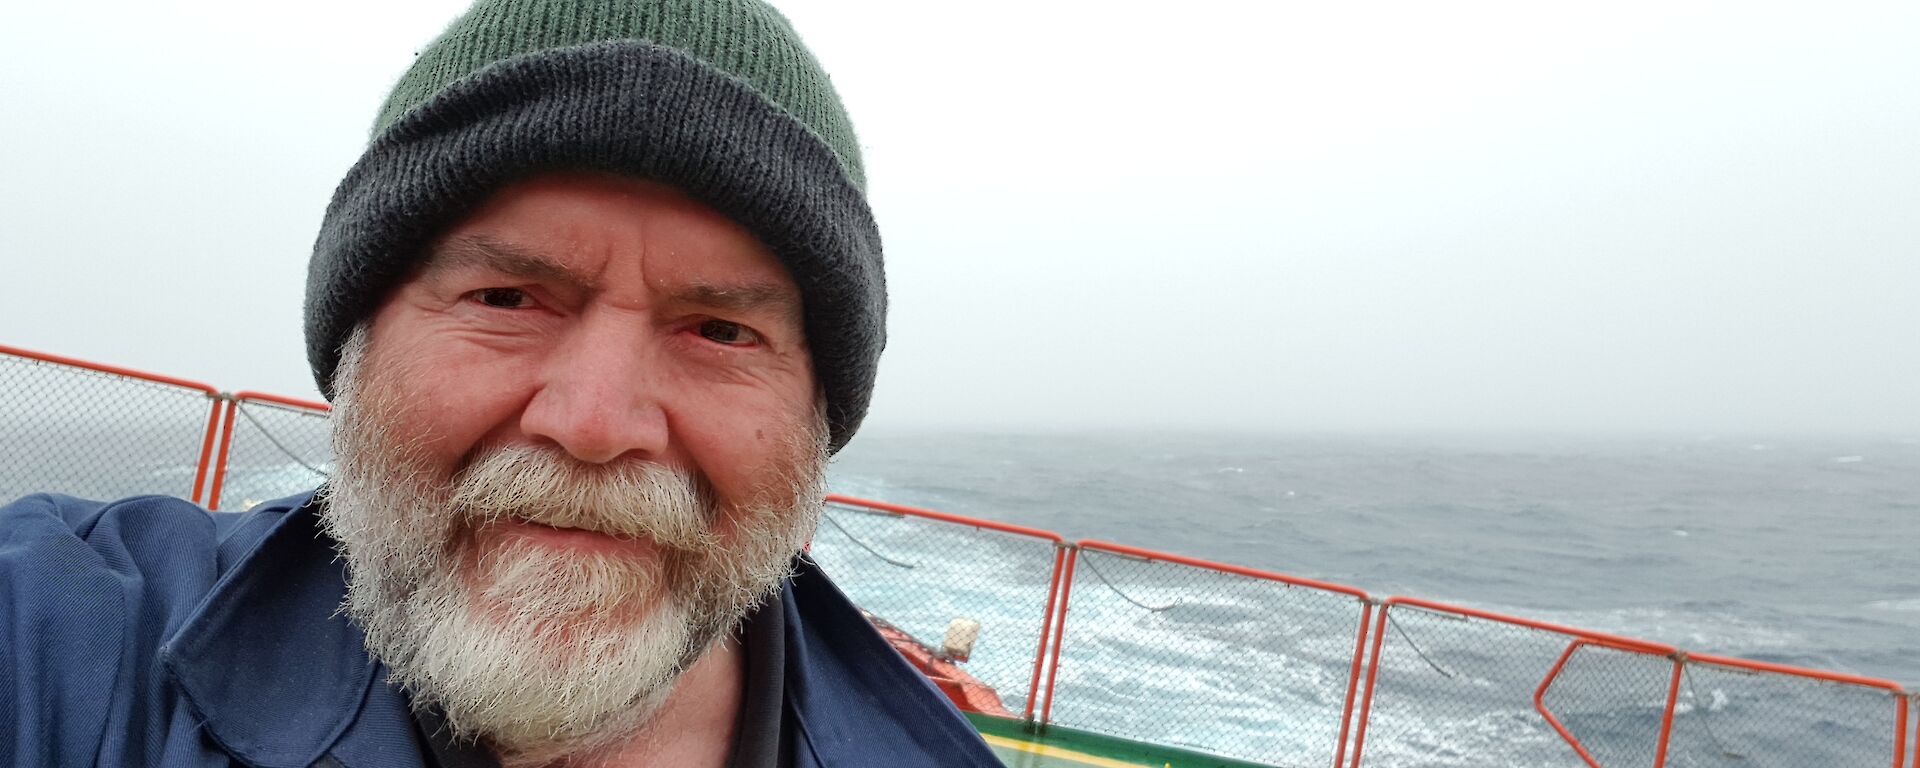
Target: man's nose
600,398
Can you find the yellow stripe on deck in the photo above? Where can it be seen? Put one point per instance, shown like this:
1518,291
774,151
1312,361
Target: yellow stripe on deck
1050,755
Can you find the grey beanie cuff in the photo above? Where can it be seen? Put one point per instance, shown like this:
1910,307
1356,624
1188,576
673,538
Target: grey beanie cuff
626,107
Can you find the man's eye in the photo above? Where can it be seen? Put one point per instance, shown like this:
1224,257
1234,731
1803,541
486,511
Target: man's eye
723,332
503,298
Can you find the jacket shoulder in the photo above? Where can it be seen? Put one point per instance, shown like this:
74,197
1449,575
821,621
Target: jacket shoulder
89,591
147,535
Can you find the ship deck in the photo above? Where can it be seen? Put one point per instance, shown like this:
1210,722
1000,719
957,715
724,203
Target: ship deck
1020,744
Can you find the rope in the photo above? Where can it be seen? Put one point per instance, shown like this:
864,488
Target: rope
1416,647
277,444
824,515
1123,595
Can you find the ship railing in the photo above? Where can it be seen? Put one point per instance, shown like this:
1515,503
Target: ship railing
91,429
945,577
1473,676
1093,636
1279,654
269,446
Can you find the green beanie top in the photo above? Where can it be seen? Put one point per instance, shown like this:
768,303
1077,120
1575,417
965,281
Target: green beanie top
717,98
743,38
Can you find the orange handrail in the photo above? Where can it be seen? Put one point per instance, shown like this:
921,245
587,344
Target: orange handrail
1626,643
901,509
104,368
1783,669
263,397
1237,570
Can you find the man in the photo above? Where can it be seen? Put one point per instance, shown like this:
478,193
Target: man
594,308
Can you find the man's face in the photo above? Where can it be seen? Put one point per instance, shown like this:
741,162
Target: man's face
575,446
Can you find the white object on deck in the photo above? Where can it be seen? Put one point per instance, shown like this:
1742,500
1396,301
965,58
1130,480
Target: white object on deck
961,634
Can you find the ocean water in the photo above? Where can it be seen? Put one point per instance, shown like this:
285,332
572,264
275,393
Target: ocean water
1793,550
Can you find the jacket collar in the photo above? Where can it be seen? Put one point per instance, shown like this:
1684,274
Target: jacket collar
267,663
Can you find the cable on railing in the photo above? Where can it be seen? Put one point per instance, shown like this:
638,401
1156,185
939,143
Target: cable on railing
1416,646
1123,595
267,433
1703,707
824,515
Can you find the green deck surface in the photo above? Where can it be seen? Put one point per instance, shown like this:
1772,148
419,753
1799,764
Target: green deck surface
1020,744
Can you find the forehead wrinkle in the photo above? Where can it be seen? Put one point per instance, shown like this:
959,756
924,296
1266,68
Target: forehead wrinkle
480,251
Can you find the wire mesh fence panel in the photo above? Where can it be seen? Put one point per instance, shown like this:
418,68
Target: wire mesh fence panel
920,575
1457,690
277,449
1612,702
88,433
1223,663
1728,717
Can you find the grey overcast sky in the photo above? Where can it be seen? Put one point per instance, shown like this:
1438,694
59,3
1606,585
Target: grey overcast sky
1667,215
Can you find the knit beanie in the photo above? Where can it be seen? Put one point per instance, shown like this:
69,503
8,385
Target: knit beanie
717,98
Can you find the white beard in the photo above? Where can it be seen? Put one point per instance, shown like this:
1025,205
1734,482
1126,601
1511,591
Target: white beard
544,654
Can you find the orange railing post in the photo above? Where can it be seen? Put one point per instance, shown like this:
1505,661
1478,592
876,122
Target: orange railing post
1046,627
1903,710
1353,681
220,466
1373,675
206,450
1059,631
1666,716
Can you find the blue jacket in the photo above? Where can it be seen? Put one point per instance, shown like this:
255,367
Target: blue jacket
149,632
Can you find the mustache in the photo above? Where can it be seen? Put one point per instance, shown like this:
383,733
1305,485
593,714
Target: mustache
626,500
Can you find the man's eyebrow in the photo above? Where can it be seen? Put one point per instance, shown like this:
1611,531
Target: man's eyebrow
486,253
746,297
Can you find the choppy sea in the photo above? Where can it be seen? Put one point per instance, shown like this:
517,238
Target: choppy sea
1793,550
1802,551
1798,550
